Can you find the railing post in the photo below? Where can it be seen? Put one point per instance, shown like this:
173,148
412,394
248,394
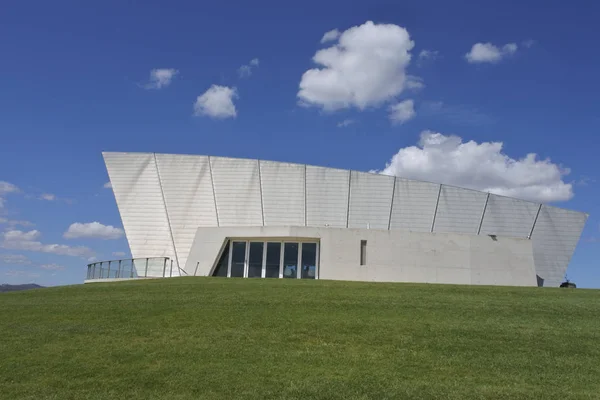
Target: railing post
132,267
196,270
146,273
119,271
165,268
109,269
101,271
171,273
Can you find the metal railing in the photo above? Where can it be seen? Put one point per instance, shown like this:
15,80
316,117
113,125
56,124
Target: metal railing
148,267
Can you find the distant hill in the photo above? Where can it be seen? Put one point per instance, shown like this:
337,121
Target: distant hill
13,288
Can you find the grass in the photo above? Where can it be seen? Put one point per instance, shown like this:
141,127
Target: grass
218,338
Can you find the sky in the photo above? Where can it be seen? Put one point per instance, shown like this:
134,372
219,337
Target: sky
495,96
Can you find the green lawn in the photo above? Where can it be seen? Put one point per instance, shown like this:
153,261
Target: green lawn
218,338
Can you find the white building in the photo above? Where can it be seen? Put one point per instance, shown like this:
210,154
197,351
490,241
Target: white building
253,218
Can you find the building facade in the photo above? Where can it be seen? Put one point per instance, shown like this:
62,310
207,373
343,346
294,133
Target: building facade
218,216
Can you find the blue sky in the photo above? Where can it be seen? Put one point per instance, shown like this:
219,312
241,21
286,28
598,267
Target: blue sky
76,82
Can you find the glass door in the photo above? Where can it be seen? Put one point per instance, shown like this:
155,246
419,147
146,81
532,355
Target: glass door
255,259
237,260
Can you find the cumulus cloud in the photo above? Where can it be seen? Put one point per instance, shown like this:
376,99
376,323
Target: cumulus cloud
489,53
48,197
481,166
92,230
366,67
119,254
161,77
402,111
217,102
19,240
330,36
107,185
246,70
345,123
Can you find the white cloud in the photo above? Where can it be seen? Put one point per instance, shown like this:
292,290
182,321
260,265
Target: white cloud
330,36
345,123
6,187
246,70
428,55
489,53
52,267
107,185
19,240
402,111
14,259
160,78
48,197
217,102
14,222
366,67
119,254
21,236
414,82
13,272
481,166
92,259
92,230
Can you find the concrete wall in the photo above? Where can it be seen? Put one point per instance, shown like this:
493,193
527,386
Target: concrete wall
392,256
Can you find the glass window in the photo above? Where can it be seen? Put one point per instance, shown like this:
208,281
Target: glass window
290,260
273,260
363,252
221,268
255,260
238,258
309,260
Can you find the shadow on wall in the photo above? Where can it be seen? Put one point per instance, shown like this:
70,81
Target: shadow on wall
540,281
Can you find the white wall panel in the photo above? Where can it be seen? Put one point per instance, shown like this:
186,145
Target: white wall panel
237,191
414,205
187,188
555,237
370,200
459,210
505,216
326,196
282,193
135,183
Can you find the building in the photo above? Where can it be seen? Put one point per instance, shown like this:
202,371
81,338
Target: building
217,216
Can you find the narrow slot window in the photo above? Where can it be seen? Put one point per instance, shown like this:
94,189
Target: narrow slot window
363,252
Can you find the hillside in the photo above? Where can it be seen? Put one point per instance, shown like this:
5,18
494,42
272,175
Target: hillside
218,338
5,287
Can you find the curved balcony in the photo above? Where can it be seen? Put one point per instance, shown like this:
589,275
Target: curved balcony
132,268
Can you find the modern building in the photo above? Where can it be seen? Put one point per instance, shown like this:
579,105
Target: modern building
217,216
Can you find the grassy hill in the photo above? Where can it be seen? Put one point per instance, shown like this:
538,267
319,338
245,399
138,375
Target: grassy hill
218,338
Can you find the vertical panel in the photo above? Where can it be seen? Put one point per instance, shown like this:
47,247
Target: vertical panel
326,197
237,191
370,200
283,193
459,210
135,183
188,193
506,216
414,205
555,237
